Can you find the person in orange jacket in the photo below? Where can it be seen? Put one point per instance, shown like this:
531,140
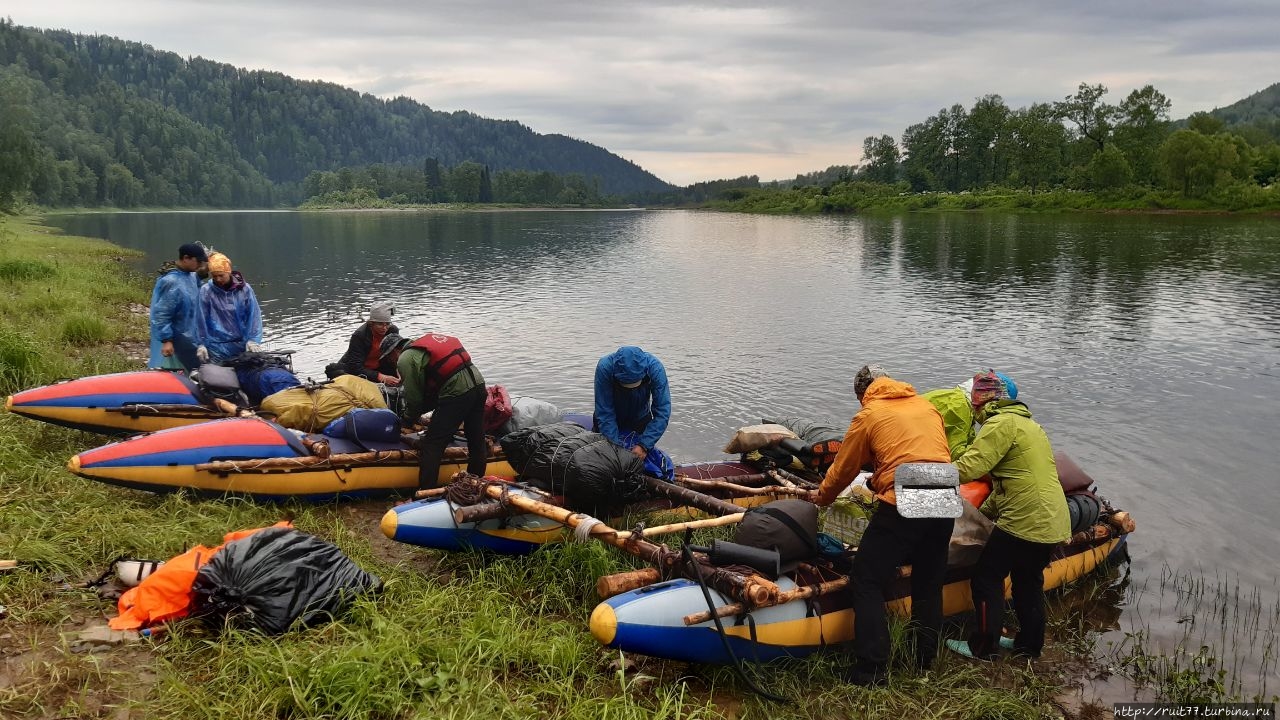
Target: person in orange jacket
894,426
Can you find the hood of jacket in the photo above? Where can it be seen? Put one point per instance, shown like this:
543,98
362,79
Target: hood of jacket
887,388
1001,407
630,364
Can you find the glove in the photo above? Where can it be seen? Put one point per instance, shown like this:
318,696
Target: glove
252,346
202,354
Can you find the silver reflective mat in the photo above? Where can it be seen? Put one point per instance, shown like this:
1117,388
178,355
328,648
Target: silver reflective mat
927,490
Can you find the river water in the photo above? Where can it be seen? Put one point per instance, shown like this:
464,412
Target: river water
1148,346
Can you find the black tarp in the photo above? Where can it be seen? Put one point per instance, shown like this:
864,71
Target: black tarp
520,445
602,477
276,578
591,473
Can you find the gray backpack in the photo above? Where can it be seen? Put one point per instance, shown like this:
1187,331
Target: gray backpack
788,526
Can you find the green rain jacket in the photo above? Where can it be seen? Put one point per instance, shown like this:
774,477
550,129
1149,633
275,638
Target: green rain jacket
413,381
1027,500
957,418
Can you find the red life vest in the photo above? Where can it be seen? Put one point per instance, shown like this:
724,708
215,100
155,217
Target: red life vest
373,360
445,356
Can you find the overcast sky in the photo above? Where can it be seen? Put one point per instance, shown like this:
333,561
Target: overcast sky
698,91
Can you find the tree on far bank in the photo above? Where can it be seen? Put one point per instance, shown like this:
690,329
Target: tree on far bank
1109,170
1205,124
1142,124
1092,117
485,195
986,142
880,159
18,147
433,178
1196,164
1037,140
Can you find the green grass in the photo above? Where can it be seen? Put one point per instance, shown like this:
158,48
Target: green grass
25,270
84,329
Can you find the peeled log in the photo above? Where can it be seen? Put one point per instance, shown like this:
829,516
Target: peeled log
1122,522
609,585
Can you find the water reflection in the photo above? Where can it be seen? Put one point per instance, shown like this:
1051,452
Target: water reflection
1148,346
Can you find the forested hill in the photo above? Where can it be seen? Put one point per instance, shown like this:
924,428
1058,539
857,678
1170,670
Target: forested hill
150,127
1260,110
1262,105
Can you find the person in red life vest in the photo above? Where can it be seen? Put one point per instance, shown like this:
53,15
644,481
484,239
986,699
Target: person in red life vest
894,426
437,375
373,350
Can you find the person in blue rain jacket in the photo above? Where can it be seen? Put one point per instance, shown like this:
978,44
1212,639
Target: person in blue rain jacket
230,318
175,311
632,399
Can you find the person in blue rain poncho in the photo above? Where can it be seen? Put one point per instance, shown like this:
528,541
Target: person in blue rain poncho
633,404
230,318
175,311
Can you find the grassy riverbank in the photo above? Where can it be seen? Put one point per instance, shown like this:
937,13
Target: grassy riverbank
453,635
864,197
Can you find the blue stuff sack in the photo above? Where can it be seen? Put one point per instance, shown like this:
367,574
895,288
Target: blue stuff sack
829,546
371,429
659,465
656,463
260,382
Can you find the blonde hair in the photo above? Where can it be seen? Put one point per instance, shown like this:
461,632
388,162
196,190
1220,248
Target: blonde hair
219,263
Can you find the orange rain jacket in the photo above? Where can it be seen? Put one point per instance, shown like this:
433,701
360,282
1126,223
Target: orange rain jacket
894,426
166,593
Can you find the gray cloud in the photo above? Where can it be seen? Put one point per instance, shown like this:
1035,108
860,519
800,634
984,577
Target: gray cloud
696,91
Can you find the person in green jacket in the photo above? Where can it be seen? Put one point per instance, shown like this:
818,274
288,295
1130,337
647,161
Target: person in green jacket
1030,514
956,408
436,374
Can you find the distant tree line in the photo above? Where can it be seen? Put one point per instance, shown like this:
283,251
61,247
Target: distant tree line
432,182
833,174
93,120
1080,142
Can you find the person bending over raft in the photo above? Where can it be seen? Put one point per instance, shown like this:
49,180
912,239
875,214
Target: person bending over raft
1030,513
175,311
230,318
894,426
955,406
632,399
437,375
373,351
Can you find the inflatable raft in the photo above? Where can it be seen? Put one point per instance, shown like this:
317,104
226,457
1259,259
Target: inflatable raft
430,523
256,458
650,620
118,404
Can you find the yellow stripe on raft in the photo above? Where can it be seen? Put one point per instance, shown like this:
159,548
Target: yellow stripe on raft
306,480
100,418
529,536
837,627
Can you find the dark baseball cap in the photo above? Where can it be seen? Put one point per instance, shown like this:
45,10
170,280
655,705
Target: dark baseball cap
195,250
